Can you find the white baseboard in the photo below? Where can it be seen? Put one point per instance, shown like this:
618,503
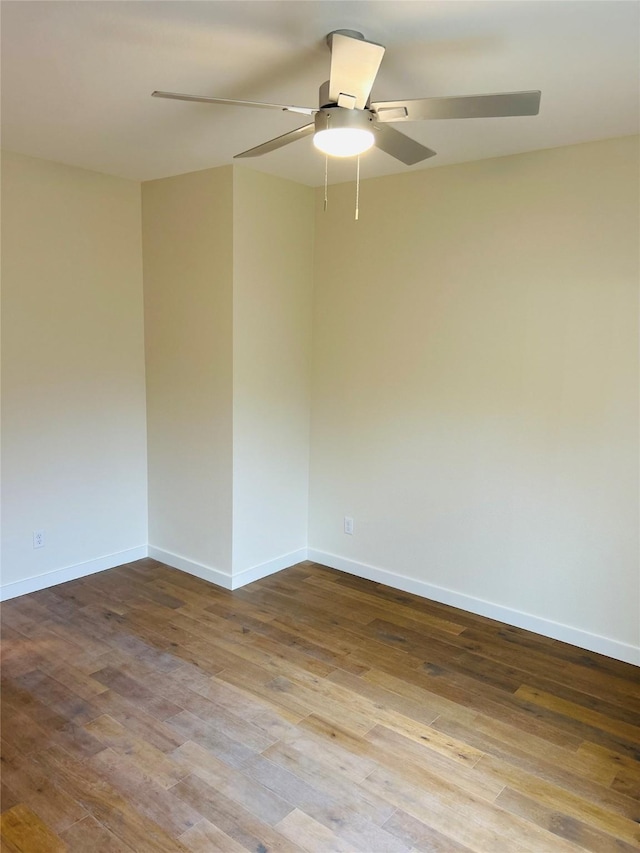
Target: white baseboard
71,573
111,561
225,579
269,568
536,624
545,627
184,564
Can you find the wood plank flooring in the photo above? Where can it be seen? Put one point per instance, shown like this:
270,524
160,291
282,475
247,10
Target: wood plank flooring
146,710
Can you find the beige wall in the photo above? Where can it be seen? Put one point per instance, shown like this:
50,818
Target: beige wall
73,411
474,400
475,390
272,291
188,281
228,282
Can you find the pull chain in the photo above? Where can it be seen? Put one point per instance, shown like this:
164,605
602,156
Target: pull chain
357,186
326,180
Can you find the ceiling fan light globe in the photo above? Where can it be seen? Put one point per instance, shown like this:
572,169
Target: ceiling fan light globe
343,141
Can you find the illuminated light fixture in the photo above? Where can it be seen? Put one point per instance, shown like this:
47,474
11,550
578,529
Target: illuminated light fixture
343,141
343,132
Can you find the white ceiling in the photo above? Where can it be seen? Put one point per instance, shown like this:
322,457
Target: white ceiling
77,77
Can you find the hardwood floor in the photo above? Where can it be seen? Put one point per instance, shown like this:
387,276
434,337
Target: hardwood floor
146,710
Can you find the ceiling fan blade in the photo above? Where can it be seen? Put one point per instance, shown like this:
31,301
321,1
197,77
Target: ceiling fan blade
354,65
176,96
278,142
470,106
402,147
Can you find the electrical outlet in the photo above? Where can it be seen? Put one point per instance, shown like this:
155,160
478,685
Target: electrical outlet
348,525
38,538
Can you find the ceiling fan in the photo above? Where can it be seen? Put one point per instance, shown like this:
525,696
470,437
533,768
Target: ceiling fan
347,123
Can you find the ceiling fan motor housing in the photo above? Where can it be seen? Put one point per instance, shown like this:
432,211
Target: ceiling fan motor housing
334,117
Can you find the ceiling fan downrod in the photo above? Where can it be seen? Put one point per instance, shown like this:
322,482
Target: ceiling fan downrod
352,34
